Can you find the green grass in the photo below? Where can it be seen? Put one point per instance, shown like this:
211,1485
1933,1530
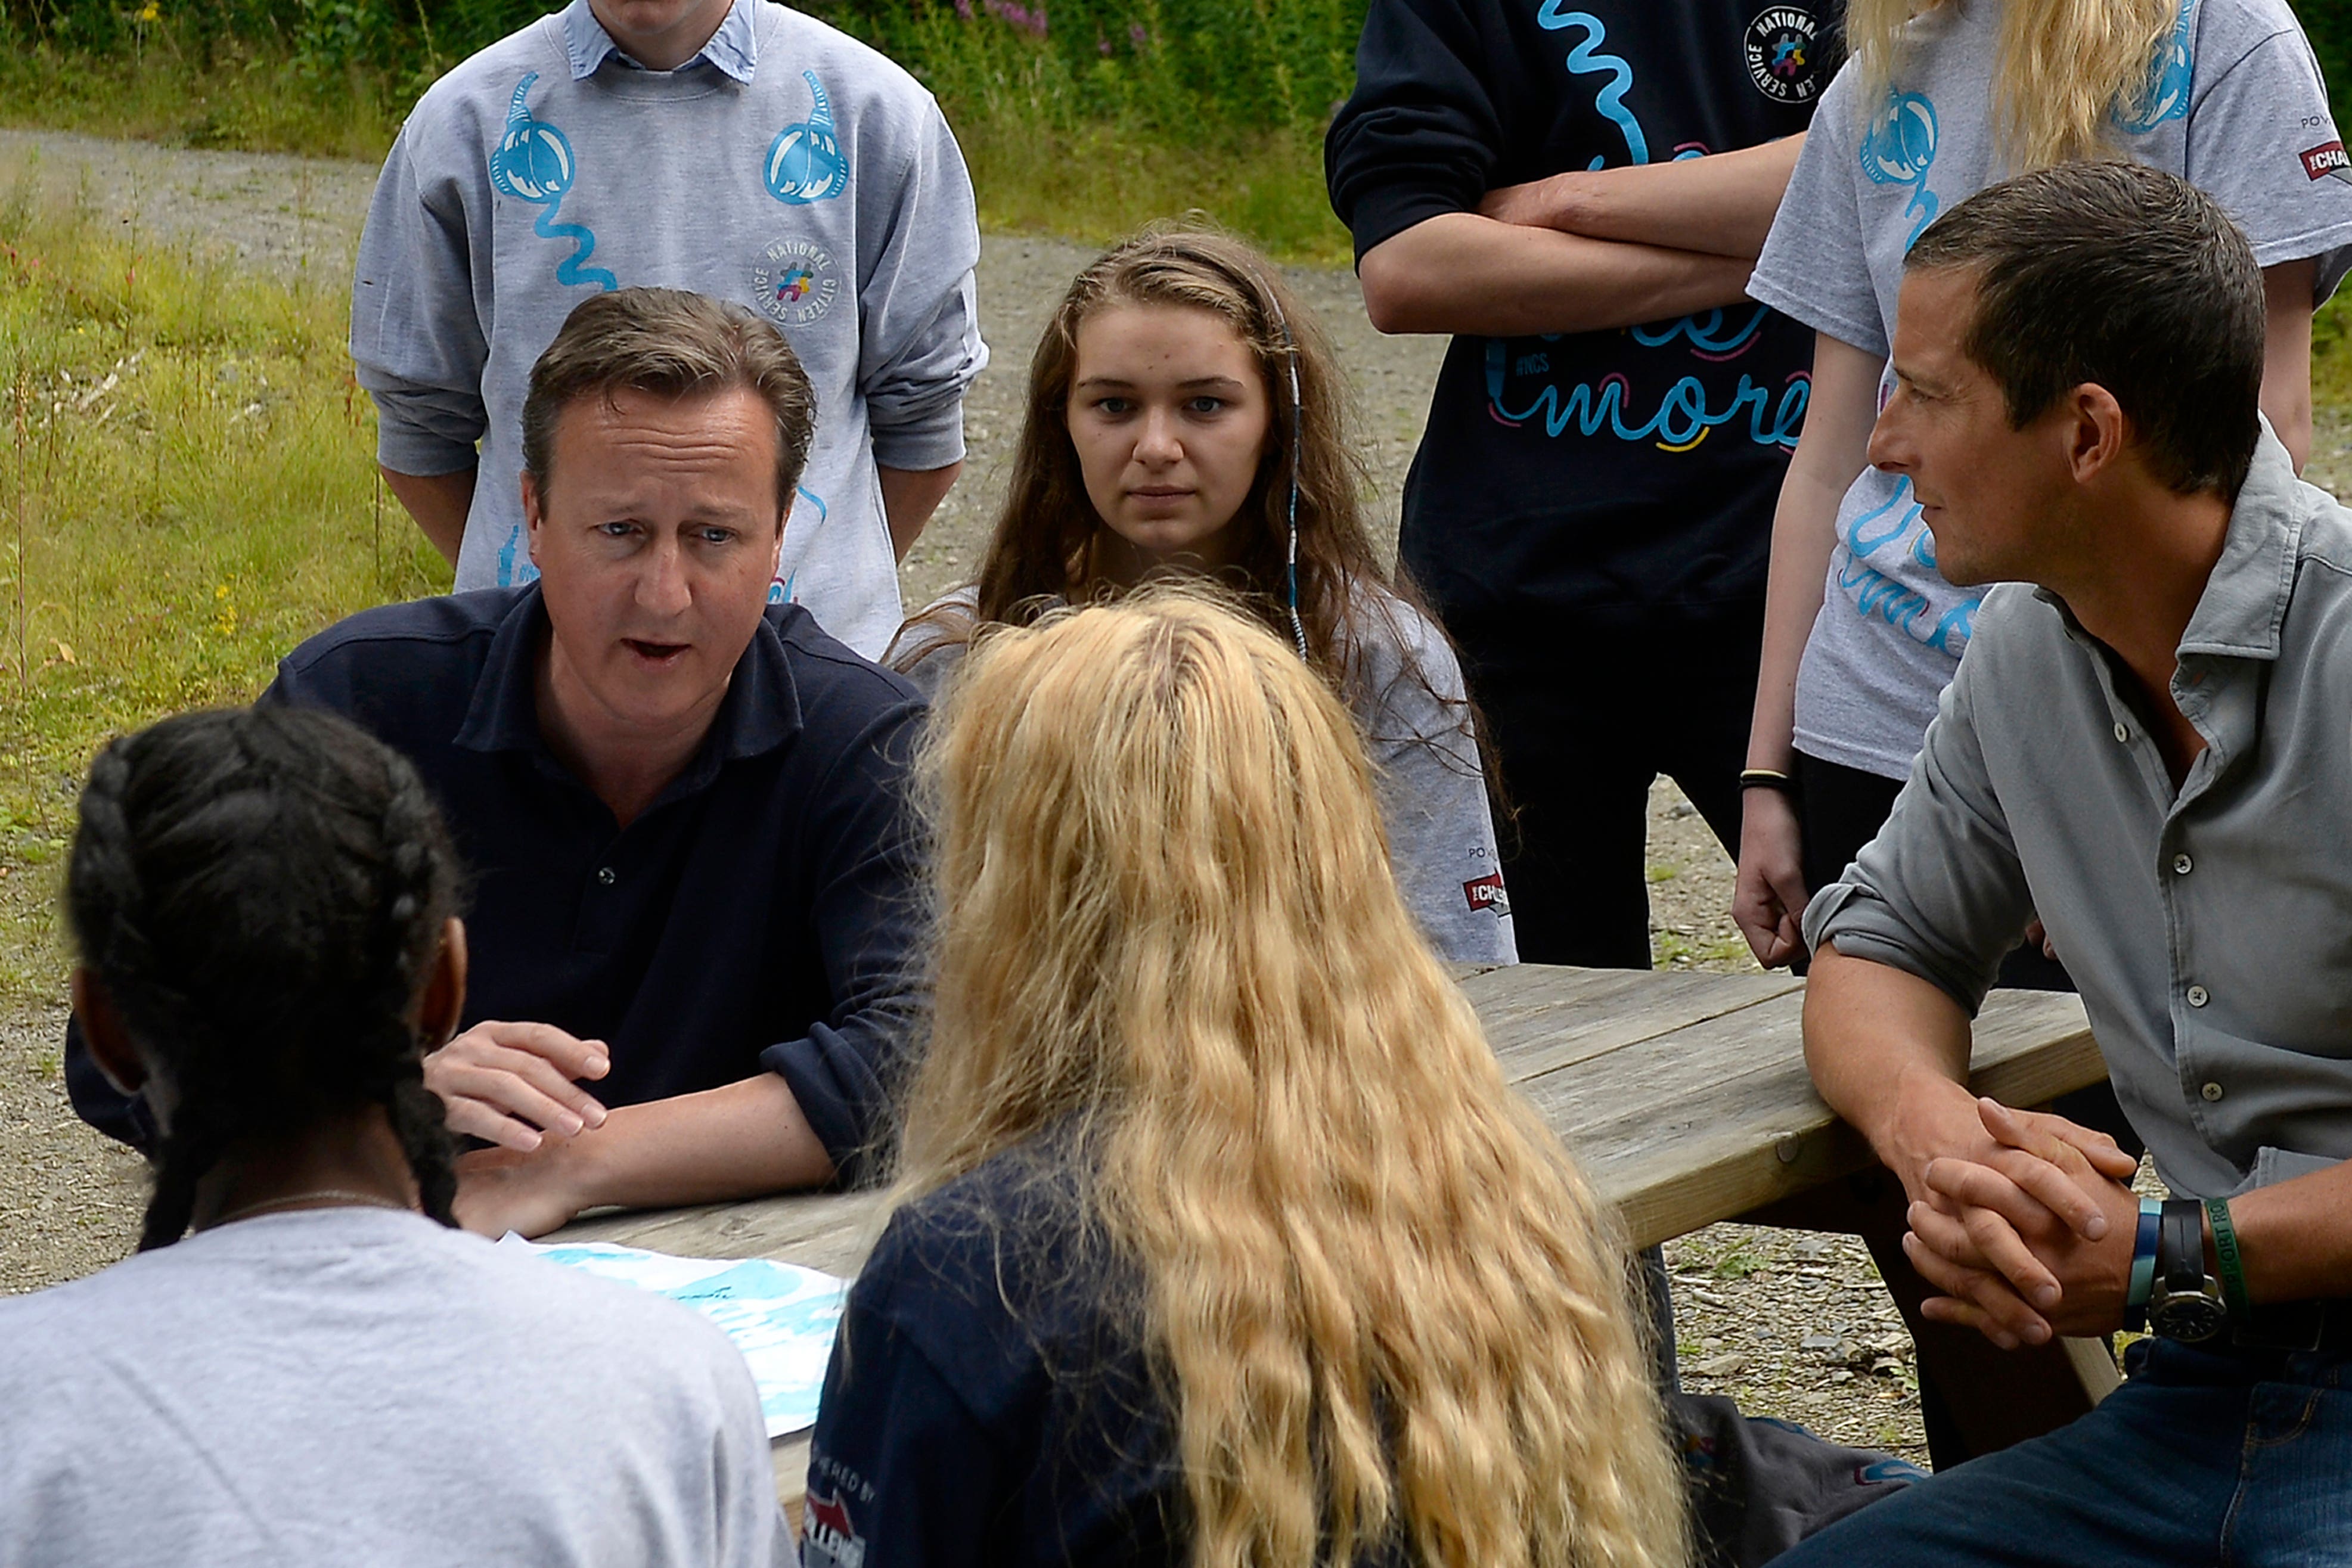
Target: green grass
1040,164
187,491
2331,353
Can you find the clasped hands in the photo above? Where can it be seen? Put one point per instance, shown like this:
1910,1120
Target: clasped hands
516,1086
2028,1231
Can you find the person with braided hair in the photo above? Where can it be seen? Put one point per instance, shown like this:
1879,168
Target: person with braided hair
263,902
692,884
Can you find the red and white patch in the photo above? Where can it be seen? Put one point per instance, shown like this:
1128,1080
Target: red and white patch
828,1540
1486,892
2328,159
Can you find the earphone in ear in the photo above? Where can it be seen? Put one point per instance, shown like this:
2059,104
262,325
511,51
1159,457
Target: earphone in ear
1298,417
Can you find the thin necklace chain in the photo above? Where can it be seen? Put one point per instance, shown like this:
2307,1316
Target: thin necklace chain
343,1198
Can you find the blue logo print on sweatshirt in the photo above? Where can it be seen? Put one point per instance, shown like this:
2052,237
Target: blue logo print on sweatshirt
805,162
1684,416
2165,96
1586,59
534,164
1899,149
1899,522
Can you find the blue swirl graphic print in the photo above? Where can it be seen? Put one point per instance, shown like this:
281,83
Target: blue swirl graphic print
804,162
1899,149
533,164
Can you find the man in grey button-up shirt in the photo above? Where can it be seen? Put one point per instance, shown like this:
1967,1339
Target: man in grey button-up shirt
2149,743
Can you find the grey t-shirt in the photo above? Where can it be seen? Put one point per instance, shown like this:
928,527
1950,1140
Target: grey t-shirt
2237,107
361,1386
1409,701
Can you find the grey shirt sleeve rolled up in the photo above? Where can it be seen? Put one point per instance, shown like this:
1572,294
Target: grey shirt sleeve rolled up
1939,893
919,347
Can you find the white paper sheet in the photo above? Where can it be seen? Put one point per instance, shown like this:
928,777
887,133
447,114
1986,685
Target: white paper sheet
780,1315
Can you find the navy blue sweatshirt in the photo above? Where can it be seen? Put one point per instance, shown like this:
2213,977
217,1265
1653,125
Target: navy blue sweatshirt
760,915
990,1403
1624,475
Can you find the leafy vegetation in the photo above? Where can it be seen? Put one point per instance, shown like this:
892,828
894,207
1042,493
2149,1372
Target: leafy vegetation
187,491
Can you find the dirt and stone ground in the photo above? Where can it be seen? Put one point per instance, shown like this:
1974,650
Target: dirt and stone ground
1791,1324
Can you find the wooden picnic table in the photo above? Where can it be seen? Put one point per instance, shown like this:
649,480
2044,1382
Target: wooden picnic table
1683,1095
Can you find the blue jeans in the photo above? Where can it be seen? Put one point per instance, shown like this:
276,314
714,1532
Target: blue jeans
2203,1458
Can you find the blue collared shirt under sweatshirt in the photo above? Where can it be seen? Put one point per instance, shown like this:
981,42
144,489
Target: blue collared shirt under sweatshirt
786,167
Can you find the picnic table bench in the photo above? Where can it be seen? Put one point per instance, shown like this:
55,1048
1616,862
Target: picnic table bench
1683,1095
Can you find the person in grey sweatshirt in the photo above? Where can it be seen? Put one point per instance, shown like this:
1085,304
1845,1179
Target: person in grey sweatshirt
1185,418
735,148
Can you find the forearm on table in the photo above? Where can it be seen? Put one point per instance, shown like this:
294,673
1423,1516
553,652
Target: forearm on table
1889,1053
1832,451
909,496
1462,273
2295,1239
1721,205
744,1140
439,503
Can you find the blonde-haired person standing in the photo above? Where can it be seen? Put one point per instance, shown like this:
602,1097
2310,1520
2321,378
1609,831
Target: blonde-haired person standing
1221,1239
1862,633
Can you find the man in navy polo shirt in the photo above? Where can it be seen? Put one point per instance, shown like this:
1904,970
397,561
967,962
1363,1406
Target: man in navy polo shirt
692,878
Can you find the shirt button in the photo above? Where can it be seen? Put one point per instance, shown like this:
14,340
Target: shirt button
2212,1091
2198,996
2182,865
2122,734
604,875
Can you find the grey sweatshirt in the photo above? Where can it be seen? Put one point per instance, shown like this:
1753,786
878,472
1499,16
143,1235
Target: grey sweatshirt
1409,701
787,167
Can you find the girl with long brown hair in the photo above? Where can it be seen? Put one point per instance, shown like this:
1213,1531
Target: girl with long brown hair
1185,415
1221,1239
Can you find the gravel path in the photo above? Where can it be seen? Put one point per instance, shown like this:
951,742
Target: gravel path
1791,1324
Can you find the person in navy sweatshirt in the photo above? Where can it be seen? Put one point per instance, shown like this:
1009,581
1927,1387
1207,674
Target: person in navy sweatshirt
1221,1238
680,805
1577,194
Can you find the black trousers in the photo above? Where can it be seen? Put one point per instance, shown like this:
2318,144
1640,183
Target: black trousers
1841,809
1583,723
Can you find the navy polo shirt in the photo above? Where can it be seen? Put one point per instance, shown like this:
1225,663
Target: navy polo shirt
761,915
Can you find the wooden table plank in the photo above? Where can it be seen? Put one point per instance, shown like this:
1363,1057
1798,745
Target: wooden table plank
1683,1095
1539,1019
1678,1152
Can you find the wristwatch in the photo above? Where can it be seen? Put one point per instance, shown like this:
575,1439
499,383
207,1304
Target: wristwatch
2187,1303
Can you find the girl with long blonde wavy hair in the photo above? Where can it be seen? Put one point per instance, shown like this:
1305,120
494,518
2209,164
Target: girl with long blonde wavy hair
1938,100
1220,1239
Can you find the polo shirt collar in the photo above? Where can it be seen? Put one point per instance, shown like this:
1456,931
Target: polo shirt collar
760,713
734,50
2245,599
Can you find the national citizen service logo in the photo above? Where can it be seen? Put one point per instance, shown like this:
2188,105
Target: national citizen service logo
1783,51
795,281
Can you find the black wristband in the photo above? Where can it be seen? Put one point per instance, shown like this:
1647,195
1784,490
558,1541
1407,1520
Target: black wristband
1767,779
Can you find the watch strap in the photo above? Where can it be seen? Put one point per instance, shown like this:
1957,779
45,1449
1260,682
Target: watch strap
2181,1245
2143,1263
2228,1263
